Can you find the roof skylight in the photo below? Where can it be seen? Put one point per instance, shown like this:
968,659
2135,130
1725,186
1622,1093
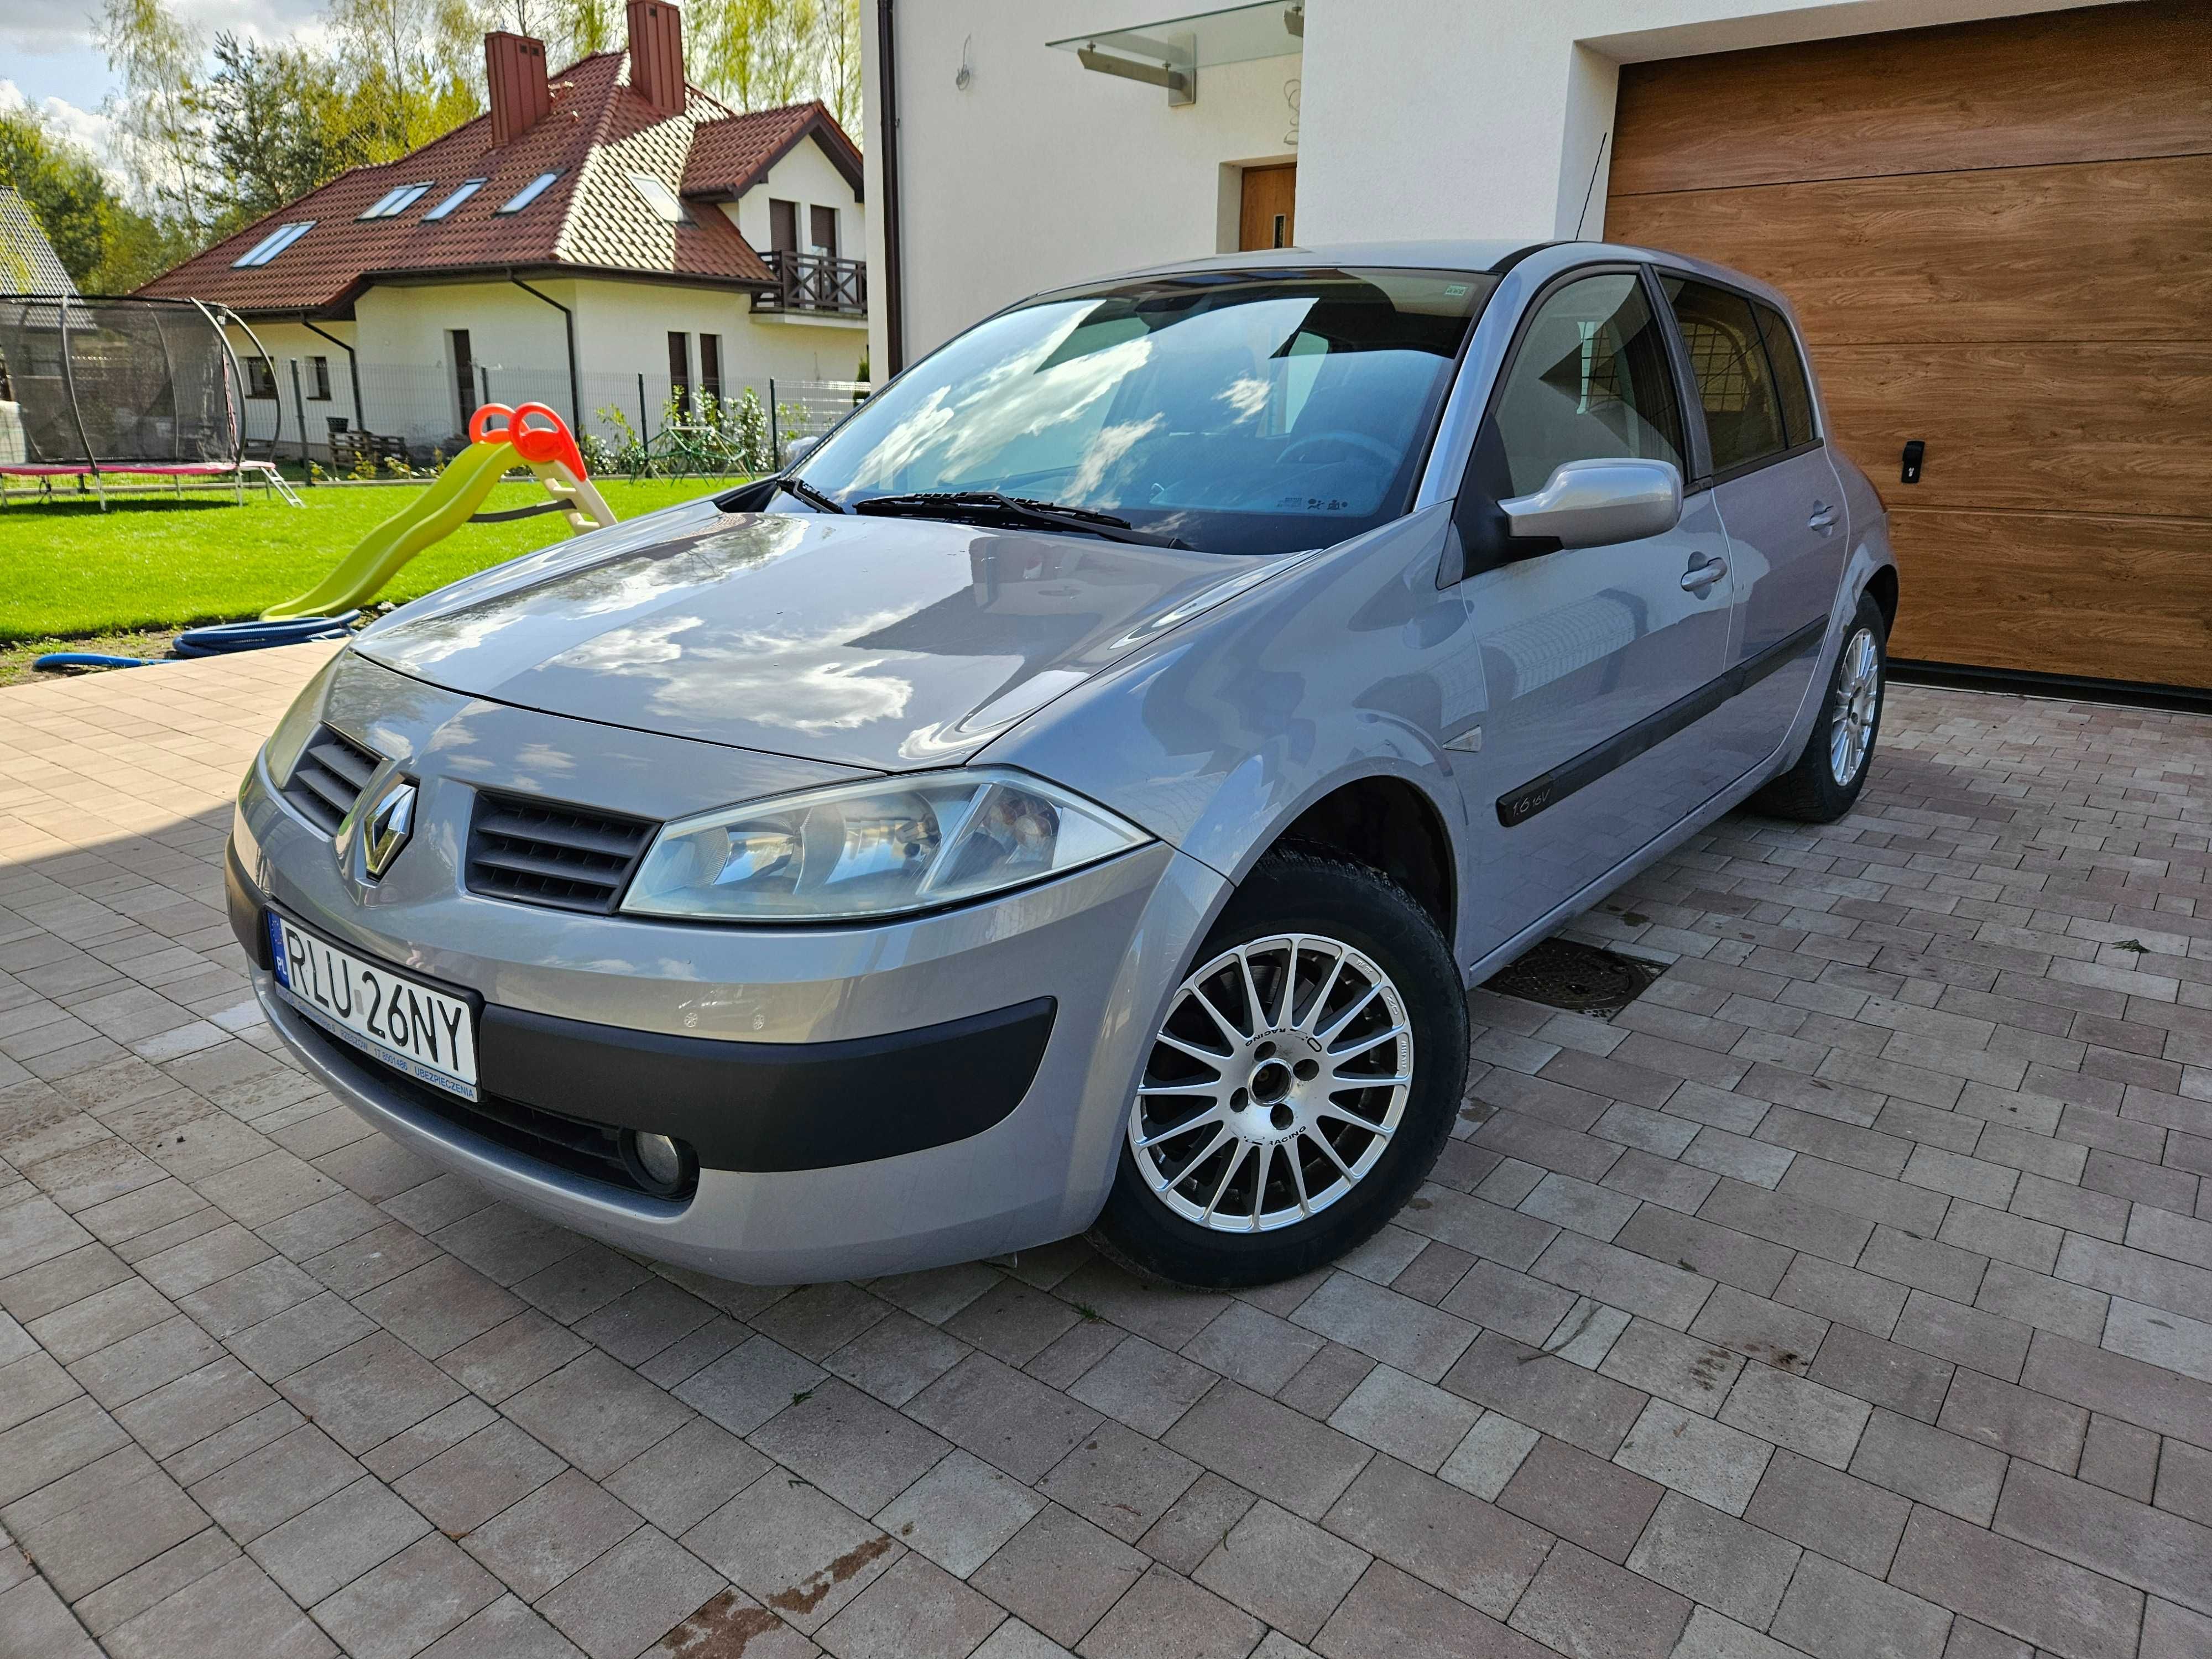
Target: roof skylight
658,197
529,193
274,243
396,200
461,191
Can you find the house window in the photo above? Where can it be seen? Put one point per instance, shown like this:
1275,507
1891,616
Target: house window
710,365
679,368
274,243
396,201
529,193
783,227
823,227
260,378
658,197
465,189
465,373
318,379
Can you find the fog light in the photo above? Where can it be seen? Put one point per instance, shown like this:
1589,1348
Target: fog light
662,1166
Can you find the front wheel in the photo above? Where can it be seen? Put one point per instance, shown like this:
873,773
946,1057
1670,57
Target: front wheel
1301,1086
1827,780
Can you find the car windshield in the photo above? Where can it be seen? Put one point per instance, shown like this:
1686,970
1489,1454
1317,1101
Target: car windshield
1236,411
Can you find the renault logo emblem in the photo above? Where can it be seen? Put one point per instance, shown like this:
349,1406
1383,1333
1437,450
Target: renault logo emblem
385,829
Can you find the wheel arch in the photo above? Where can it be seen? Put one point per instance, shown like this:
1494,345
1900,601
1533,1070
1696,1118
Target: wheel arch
1390,824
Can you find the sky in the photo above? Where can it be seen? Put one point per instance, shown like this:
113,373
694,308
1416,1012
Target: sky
50,57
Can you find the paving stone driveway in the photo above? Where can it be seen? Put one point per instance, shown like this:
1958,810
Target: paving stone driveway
1850,1294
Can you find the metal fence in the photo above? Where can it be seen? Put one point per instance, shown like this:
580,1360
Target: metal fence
626,419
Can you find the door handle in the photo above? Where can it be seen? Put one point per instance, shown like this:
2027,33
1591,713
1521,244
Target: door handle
1700,577
1823,519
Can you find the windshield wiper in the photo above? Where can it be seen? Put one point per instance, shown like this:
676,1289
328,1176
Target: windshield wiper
962,504
807,493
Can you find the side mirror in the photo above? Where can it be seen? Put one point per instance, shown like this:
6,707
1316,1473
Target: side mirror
796,450
1593,503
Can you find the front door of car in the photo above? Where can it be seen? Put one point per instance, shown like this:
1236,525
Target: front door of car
1593,662
1779,499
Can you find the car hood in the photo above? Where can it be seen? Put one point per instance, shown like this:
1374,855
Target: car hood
878,642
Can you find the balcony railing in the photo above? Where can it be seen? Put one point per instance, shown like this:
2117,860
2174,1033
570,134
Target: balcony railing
815,281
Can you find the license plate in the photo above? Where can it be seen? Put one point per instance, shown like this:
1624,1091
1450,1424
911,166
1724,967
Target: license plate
427,1034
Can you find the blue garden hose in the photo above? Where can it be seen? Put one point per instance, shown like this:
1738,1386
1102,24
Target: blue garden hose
219,639
225,637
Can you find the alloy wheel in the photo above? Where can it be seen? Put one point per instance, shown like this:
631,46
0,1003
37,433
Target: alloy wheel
1858,698
1275,1084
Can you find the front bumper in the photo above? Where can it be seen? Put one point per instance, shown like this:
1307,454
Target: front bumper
864,1100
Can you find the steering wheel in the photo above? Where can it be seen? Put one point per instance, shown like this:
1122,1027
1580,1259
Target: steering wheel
1374,447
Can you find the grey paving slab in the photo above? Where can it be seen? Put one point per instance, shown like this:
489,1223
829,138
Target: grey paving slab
1877,1222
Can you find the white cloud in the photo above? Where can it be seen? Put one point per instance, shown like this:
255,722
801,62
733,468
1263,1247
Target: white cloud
90,129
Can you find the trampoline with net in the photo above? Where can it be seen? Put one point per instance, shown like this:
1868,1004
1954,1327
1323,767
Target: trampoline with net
99,389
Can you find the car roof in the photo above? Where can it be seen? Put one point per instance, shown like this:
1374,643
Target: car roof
1482,254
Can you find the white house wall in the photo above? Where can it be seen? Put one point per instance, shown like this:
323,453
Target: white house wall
1416,118
1043,171
806,176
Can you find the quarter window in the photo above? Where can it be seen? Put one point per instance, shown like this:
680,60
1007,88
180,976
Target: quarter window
1743,414
1591,382
1792,383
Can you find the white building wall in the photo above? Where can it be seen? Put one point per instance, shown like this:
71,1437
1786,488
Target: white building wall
808,177
1418,119
1043,171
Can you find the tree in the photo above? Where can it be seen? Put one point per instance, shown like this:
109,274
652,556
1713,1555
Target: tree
104,244
280,123
159,58
415,69
836,51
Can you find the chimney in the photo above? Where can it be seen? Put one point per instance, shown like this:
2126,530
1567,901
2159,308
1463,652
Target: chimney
656,54
515,69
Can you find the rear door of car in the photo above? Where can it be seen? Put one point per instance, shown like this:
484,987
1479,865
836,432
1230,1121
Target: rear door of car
1778,497
1595,664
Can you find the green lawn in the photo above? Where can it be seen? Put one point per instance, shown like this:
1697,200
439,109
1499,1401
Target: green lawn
150,563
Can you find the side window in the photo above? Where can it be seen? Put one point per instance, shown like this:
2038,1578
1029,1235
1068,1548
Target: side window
1591,382
1792,383
1743,415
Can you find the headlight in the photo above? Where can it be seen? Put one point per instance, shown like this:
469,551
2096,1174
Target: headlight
282,752
879,848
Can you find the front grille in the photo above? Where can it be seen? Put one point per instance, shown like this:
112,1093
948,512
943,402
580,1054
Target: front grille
591,1150
566,857
328,778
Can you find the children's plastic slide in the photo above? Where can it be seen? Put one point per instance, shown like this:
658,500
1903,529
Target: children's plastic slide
498,437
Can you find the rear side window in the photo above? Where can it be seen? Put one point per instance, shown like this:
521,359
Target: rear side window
1791,384
1743,412
1589,382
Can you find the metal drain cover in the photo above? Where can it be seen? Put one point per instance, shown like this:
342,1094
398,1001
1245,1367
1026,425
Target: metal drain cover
1564,973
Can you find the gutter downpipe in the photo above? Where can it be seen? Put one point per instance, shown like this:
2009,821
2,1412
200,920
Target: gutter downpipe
569,321
893,277
353,367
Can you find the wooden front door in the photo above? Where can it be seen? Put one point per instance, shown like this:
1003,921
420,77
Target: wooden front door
1998,237
1270,218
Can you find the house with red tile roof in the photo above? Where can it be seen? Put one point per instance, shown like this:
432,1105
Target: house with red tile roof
606,237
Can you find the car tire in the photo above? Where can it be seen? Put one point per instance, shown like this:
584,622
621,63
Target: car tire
1285,1136
1828,776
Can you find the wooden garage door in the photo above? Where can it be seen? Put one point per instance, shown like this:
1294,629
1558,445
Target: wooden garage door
1999,238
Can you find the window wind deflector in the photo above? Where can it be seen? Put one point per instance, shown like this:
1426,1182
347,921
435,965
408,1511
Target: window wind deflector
274,243
396,201
990,506
461,191
529,193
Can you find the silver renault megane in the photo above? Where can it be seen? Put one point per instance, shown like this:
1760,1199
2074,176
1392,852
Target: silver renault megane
1081,790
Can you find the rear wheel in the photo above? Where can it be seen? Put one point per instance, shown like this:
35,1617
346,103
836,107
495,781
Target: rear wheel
1827,780
1301,1086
